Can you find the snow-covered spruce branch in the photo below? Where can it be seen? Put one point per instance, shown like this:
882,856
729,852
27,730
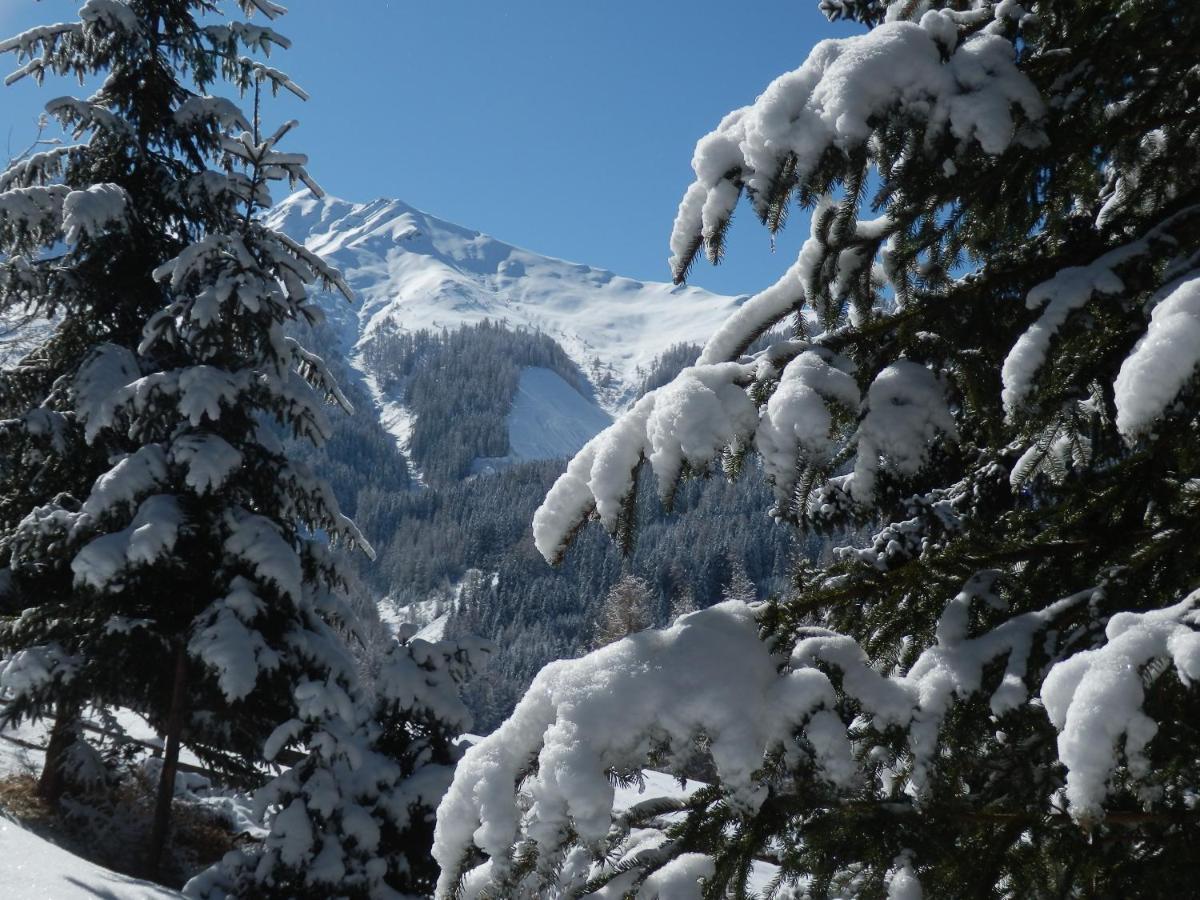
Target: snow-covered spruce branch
355,815
949,74
711,677
1071,289
814,412
797,402
906,376
33,167
823,125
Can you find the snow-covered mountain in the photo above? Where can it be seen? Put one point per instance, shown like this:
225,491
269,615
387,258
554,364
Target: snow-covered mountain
549,419
412,270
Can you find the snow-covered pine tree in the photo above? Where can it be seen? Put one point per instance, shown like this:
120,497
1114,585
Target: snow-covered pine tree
739,587
993,363
627,608
682,601
169,556
355,818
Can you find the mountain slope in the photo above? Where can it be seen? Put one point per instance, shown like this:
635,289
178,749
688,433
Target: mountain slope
549,419
482,358
412,270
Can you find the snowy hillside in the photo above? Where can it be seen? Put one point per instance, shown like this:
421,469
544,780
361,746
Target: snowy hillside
32,867
413,270
549,420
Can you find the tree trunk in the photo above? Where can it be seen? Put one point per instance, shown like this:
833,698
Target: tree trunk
53,782
170,764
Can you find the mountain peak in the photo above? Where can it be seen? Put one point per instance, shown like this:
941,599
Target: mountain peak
413,270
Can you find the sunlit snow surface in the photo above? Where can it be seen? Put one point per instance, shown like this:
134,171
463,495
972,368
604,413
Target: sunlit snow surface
549,420
413,270
34,869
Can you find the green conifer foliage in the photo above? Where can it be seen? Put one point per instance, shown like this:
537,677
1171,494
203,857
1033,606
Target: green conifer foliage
163,552
993,368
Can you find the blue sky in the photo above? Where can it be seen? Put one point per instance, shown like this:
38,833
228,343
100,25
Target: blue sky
562,126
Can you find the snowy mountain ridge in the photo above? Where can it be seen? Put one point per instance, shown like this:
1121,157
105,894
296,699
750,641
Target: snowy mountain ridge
413,270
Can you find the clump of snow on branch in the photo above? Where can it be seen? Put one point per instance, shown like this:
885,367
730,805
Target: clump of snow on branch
425,678
107,370
37,209
150,537
707,409
132,477
797,419
953,667
225,640
340,817
112,15
906,412
28,670
90,213
1068,291
688,421
1163,362
208,458
1095,698
711,675
694,417
902,882
221,110
575,733
831,100
680,879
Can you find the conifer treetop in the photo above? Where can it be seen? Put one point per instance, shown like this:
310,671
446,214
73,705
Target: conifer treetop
175,368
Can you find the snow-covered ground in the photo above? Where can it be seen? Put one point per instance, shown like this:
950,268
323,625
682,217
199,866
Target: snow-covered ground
32,868
423,613
550,419
396,418
432,614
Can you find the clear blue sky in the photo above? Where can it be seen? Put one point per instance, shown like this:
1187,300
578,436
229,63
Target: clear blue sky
563,126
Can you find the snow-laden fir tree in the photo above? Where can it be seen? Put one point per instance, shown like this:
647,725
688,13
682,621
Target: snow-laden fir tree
682,601
739,587
626,609
167,554
993,365
355,818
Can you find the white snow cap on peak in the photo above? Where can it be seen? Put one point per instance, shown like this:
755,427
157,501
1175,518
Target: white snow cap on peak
412,270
